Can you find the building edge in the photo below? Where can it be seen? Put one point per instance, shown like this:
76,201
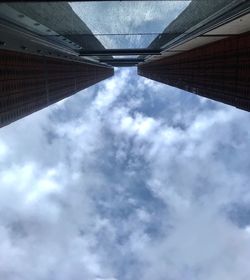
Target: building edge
31,82
219,71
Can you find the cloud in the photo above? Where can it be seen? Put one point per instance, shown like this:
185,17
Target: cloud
128,179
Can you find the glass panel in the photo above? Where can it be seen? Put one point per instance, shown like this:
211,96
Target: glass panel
115,24
196,15
123,24
56,21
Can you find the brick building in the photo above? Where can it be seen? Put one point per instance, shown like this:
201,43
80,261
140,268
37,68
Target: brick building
31,82
219,70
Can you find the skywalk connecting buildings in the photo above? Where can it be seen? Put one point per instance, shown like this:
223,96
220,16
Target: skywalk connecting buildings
51,50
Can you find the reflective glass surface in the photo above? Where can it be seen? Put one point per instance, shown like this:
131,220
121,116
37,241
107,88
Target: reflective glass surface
124,24
99,26
114,24
195,17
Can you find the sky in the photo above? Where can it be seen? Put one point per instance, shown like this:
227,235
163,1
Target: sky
128,179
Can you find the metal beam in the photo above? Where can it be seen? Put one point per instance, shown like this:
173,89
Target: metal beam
94,0
119,52
117,64
122,62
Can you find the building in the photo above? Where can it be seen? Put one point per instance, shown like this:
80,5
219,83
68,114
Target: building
48,50
206,52
31,82
219,71
37,71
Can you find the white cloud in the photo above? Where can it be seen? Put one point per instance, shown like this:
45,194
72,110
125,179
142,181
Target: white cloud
124,181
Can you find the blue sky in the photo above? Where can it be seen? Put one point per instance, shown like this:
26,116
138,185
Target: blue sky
129,179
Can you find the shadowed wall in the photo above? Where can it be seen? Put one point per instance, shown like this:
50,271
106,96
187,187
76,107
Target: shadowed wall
219,71
29,83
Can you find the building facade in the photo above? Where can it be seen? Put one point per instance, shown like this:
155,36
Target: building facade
39,61
50,50
219,70
31,82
